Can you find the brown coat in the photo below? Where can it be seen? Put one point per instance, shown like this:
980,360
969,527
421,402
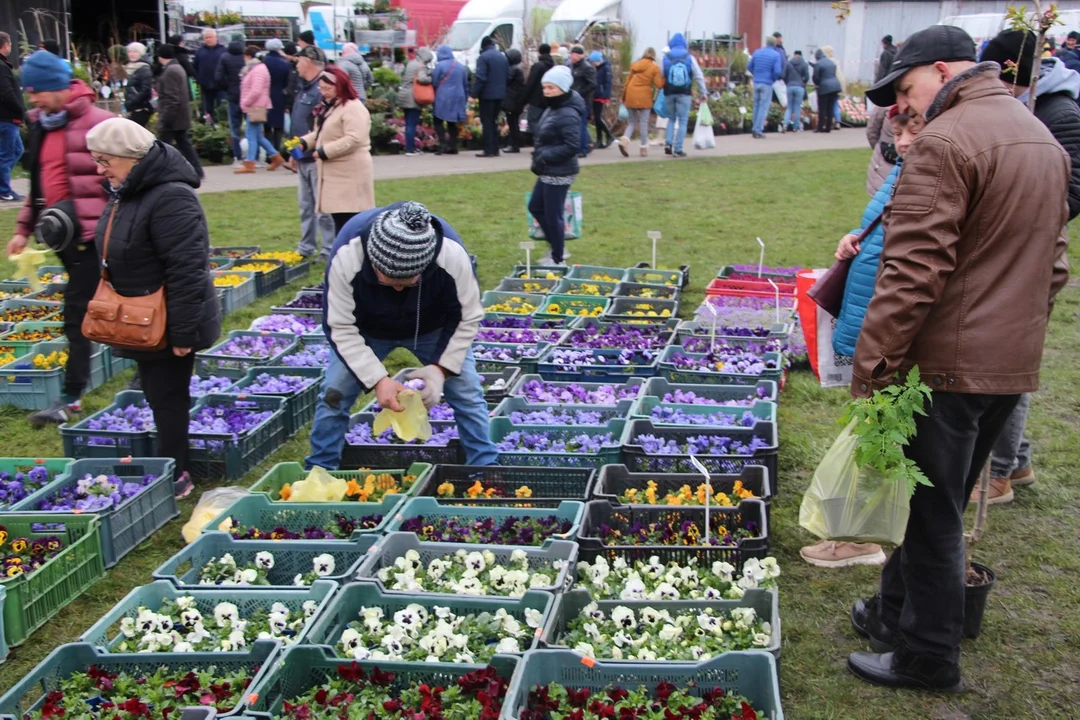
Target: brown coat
342,146
641,85
968,272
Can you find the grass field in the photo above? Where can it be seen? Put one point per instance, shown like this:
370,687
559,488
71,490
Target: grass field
1026,663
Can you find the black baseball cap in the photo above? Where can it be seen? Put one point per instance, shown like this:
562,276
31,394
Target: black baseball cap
312,53
937,43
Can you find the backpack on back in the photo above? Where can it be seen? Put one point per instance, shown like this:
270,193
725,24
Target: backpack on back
679,76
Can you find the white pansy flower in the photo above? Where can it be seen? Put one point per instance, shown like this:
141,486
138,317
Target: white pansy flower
226,613
623,617
539,580
185,602
475,561
413,558
591,630
508,645
278,622
584,648
442,612
489,557
264,560
236,637
723,569
310,606
362,653
620,563
533,617
616,653
127,627
645,654
633,590
183,647
189,617
323,565
670,632
666,591
249,576
146,621
464,657
621,639
519,556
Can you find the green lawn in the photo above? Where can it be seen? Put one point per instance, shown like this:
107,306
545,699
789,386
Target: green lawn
710,211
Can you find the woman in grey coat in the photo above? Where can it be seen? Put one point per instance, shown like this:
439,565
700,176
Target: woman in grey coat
415,72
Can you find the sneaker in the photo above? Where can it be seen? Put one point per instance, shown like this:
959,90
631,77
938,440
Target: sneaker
624,146
12,197
667,149
679,154
1000,492
237,162
644,151
832,554
56,414
1023,477
183,486
414,153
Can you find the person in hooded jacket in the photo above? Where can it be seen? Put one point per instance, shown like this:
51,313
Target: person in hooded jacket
140,85
533,92
796,75
489,87
585,86
680,65
227,76
153,234
879,133
639,94
207,58
888,54
415,72
514,102
451,81
360,74
828,90
174,106
280,69
601,98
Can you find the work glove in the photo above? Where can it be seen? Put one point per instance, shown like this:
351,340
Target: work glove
433,378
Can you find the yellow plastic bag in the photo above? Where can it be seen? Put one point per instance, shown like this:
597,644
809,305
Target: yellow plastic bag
210,505
26,264
318,486
412,423
844,502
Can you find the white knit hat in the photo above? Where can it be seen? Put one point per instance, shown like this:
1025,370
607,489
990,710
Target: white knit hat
120,137
137,47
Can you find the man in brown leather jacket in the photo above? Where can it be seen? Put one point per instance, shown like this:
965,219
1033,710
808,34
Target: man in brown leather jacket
964,291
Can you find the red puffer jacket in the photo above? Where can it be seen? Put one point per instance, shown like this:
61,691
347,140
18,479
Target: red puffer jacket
87,189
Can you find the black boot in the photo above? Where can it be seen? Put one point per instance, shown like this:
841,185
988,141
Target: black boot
902,669
866,620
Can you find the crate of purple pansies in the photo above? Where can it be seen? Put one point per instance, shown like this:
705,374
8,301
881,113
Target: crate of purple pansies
664,412
132,496
305,302
711,394
724,365
245,349
22,477
434,522
313,352
229,434
257,517
120,430
546,415
363,449
551,446
493,357
301,325
598,334
566,364
537,390
298,385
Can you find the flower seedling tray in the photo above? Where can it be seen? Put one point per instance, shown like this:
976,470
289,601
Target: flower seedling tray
567,510
614,480
43,311
378,455
307,667
571,604
299,406
290,560
14,289
238,296
526,322
596,273
235,252
646,291
623,308
394,545
345,607
31,389
519,389
575,286
221,262
645,275
105,633
49,293
518,286
748,513
657,335
56,468
761,410
258,510
549,486
643,365
523,356
517,404
513,300
697,328
33,598
297,271
539,271
728,270
702,376
231,456
747,288
123,527
266,281
508,375
573,306
52,274
29,693
302,297
284,473
217,361
501,427
82,442
750,674
3,640
724,394
639,460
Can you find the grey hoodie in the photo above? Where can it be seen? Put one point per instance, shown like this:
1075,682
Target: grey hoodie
1054,77
796,72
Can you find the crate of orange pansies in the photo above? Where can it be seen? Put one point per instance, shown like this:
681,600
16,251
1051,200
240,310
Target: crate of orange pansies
362,485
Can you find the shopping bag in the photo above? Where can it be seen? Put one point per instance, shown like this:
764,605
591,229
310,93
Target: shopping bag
659,105
571,217
410,423
704,115
813,101
624,114
703,137
318,486
210,505
779,89
808,313
844,502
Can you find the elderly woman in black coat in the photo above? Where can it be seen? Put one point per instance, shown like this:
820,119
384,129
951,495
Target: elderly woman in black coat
557,141
155,232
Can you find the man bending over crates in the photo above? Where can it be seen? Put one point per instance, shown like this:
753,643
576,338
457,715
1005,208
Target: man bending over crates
399,277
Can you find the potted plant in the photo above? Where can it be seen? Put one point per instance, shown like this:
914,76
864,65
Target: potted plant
978,579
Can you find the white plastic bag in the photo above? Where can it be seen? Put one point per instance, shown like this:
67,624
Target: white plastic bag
833,370
779,89
210,505
703,137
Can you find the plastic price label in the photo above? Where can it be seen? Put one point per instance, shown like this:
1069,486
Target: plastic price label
372,549
588,662
39,461
539,632
125,459
253,698
742,109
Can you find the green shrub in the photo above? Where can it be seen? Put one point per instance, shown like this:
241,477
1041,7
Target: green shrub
386,76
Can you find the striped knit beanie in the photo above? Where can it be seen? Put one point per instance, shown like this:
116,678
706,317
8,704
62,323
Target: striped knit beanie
402,241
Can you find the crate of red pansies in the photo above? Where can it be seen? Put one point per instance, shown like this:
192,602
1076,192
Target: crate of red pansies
495,357
22,477
307,683
506,485
132,496
305,302
364,449
120,430
257,517
730,366
565,364
242,350
229,435
566,446
48,560
360,485
298,385
434,522
77,675
35,380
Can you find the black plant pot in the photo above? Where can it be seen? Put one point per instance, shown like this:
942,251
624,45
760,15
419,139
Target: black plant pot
975,599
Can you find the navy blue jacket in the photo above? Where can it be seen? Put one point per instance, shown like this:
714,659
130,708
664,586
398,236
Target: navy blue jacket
228,70
279,68
305,101
492,72
603,81
206,62
557,139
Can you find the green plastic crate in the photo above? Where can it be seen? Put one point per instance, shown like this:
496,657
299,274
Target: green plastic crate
516,299
34,598
345,607
519,387
284,473
57,468
235,252
589,272
29,693
646,291
300,406
224,297
266,281
573,286
38,389
215,456
707,377
44,311
549,486
216,362
297,271
500,427
238,296
517,285
525,356
576,302
760,410
430,507
105,633
117,363
52,273
527,321
642,365
540,559
519,404
649,276
751,674
17,289
285,310
518,271
259,511
763,390
638,460
614,480
221,262
290,559
378,456
306,667
622,307
697,328
82,442
508,375
49,293
3,640
125,527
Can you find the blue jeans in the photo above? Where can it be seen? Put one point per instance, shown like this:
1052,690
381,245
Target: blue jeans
762,100
678,110
256,139
236,126
585,134
11,149
340,389
793,114
1012,451
412,119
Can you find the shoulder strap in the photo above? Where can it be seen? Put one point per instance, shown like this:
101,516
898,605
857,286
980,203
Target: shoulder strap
870,226
105,245
448,71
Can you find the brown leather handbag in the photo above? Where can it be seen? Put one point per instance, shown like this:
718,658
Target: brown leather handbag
828,291
133,323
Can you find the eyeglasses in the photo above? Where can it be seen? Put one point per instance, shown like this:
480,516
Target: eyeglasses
103,162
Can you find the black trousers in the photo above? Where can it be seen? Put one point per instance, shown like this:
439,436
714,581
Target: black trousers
922,584
547,205
182,142
533,114
449,141
83,271
826,104
489,122
140,117
274,135
513,126
166,384
602,128
210,98
340,219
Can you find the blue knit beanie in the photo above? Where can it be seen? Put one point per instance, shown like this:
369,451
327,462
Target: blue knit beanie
596,56
559,76
45,72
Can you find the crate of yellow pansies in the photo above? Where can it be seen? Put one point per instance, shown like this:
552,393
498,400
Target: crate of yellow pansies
545,272
296,265
590,288
646,291
597,273
577,305
269,274
635,309
25,335
511,303
503,485
359,485
35,380
642,273
532,286
52,274
14,289
238,287
53,292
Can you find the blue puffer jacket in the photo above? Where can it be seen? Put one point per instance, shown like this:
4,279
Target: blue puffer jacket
557,139
863,273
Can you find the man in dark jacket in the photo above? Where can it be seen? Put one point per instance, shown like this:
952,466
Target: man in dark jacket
279,69
227,76
174,110
1069,52
888,54
309,66
206,61
779,38
11,117
514,102
489,87
967,278
796,75
601,98
585,86
533,93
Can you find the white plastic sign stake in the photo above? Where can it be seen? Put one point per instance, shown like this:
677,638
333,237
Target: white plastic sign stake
527,246
654,235
712,336
708,482
761,258
776,293
742,109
